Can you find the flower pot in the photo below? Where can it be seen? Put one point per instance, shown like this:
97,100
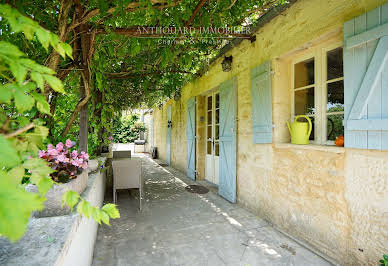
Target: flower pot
52,206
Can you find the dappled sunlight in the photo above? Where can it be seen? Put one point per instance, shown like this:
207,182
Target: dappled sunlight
264,247
175,221
218,210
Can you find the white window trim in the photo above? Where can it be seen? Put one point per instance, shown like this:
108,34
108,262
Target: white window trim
320,89
214,125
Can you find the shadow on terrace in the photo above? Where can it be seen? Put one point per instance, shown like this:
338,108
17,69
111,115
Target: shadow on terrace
177,227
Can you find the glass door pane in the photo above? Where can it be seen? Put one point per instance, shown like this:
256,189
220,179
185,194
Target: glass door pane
304,73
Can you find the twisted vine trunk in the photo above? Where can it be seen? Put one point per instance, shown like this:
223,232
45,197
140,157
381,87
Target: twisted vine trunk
86,41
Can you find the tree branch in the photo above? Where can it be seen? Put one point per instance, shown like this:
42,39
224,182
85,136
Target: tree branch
19,131
195,12
132,7
79,105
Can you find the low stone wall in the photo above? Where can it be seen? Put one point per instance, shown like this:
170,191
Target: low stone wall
79,246
60,240
332,198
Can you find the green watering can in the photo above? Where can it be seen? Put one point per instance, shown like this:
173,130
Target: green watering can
300,131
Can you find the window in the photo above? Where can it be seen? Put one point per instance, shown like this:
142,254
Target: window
318,92
213,124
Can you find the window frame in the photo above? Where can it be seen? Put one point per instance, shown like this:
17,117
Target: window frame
324,51
319,54
214,124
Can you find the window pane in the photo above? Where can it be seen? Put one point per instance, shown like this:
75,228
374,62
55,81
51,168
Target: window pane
217,132
209,118
209,102
304,73
335,96
335,64
312,135
334,126
217,116
217,100
209,147
209,132
217,149
304,101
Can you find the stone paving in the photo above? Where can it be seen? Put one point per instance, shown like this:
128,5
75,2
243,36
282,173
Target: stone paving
180,228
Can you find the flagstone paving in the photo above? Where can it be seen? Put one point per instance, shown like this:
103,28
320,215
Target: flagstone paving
177,227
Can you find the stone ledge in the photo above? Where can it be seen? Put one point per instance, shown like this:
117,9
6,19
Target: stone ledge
59,240
314,147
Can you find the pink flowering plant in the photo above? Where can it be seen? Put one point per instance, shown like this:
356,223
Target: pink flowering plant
65,162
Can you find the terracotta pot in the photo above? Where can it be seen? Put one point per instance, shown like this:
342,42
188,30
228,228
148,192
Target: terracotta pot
340,141
52,206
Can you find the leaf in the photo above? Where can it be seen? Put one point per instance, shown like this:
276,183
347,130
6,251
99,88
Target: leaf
22,120
5,94
16,206
34,163
96,214
70,198
43,37
54,82
84,208
42,131
18,71
38,78
58,47
8,155
67,48
16,174
39,169
111,210
23,101
105,218
33,66
44,185
41,103
10,49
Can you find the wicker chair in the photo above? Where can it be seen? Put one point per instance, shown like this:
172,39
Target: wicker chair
127,174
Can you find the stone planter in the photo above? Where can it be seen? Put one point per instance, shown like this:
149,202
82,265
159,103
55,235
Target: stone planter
52,206
92,165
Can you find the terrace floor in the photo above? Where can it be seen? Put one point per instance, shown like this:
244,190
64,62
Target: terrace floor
177,227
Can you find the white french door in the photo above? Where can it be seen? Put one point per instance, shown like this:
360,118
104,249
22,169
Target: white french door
212,137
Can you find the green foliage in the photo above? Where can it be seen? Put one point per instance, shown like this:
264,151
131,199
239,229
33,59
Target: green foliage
16,206
384,261
107,212
334,124
22,131
127,129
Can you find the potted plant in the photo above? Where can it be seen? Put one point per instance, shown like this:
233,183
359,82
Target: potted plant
70,173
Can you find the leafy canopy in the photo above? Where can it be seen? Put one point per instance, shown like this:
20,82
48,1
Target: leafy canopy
22,131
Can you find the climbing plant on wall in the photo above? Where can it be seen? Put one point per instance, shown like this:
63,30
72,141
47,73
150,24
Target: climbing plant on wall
112,67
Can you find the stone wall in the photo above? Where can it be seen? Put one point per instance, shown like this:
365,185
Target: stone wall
332,198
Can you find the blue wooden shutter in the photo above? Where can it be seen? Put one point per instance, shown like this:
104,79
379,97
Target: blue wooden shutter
366,80
227,140
190,134
168,136
261,103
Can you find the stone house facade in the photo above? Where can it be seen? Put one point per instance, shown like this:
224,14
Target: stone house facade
323,59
